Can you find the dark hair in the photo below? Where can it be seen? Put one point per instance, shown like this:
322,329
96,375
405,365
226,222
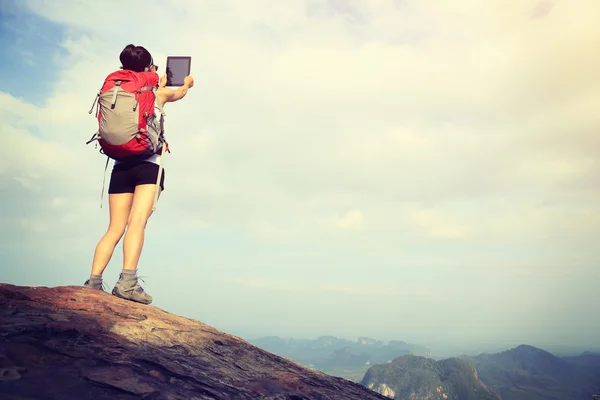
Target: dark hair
135,58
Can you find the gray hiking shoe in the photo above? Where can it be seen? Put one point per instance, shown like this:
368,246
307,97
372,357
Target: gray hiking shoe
97,286
131,290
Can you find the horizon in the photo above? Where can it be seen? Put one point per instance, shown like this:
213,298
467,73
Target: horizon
386,169
557,349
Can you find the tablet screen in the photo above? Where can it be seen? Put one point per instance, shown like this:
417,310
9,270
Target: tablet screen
177,69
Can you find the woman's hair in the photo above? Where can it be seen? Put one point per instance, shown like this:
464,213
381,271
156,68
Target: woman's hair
135,58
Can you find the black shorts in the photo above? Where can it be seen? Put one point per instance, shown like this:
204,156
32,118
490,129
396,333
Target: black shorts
126,176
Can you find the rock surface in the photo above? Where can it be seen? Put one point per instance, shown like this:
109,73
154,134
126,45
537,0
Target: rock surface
73,342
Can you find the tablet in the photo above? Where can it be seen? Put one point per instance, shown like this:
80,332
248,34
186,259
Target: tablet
177,69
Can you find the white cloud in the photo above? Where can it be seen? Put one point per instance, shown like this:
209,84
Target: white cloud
437,224
34,226
351,220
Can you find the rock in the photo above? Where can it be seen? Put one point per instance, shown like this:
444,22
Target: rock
73,342
11,373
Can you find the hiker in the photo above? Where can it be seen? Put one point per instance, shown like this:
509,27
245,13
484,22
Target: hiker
133,190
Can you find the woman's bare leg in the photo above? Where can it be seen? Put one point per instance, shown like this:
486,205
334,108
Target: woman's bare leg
127,286
141,210
120,206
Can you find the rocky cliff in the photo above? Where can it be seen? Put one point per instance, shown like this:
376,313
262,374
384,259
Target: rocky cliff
73,342
412,377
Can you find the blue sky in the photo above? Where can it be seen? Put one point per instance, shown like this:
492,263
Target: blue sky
399,170
32,48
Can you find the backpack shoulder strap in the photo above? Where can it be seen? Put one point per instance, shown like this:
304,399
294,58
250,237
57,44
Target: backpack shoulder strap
157,102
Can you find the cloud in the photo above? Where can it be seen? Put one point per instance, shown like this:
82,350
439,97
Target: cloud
543,8
437,224
34,226
315,288
351,220
347,142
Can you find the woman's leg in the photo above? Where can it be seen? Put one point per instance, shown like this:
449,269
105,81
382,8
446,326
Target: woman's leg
141,210
120,206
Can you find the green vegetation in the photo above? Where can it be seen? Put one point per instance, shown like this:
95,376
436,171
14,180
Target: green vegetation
526,372
411,377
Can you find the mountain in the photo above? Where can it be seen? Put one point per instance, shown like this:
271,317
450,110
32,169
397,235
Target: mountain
414,377
73,342
304,351
586,359
522,373
345,358
526,372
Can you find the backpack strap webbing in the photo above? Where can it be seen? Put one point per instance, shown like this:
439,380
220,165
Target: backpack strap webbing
140,91
95,136
157,102
104,181
95,103
160,172
115,91
163,152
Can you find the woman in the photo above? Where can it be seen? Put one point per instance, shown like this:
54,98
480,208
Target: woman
131,195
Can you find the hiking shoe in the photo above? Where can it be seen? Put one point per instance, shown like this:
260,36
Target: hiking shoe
131,290
96,286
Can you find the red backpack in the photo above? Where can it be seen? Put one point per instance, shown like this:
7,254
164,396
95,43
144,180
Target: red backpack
127,126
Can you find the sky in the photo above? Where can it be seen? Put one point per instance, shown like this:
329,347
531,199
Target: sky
416,170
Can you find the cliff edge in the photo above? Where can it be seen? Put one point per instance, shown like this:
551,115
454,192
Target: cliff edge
73,342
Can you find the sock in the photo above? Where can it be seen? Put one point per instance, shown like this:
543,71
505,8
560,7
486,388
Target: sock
95,279
128,277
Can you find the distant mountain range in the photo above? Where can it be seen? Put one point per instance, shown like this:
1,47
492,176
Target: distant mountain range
522,373
348,359
402,370
527,372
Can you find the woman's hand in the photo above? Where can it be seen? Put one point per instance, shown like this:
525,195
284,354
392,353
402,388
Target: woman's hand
189,81
163,81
